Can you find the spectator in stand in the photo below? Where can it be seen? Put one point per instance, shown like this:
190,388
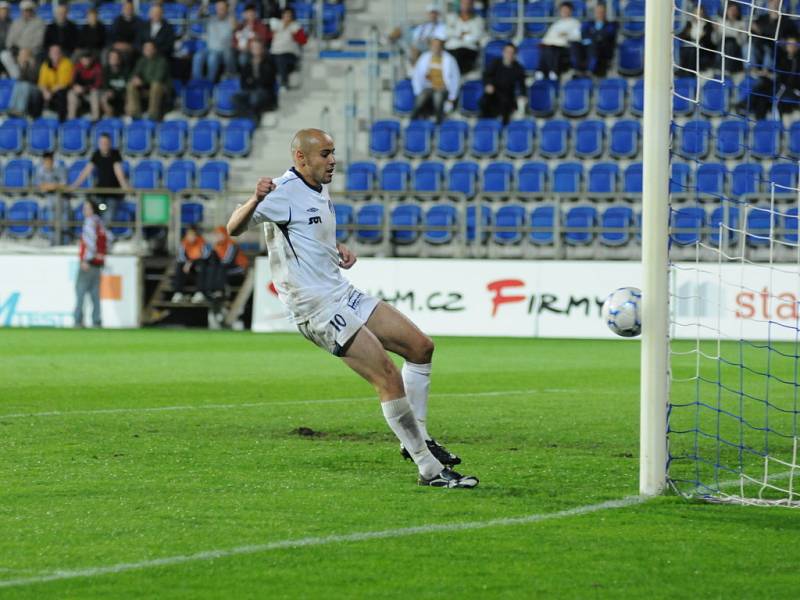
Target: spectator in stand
288,37
736,39
193,256
26,98
257,83
557,43
125,31
768,26
599,42
87,80
219,45
92,256
5,24
503,86
687,52
115,79
50,180
158,31
92,34
26,33
61,32
55,79
106,163
464,33
421,36
149,79
251,28
436,82
787,68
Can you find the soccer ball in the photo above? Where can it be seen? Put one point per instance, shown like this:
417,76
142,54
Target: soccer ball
622,311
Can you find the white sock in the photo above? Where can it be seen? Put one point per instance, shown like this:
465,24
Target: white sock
400,417
417,381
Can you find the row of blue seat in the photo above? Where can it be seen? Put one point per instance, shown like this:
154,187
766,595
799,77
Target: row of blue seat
207,137
536,178
179,175
734,138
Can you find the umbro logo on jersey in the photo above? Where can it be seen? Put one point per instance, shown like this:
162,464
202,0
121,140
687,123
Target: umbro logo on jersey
313,220
312,209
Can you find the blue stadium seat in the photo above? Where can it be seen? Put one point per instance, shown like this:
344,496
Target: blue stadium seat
759,219
403,97
191,213
42,136
633,18
463,178
139,137
528,54
793,141
147,175
486,221
532,177
543,221
2,212
728,217
637,98
616,224
108,11
213,176
6,90
75,169
125,215
501,21
25,212
687,225
576,97
383,138
404,218
680,174
77,12
486,138
683,98
180,175
631,57
18,173
784,176
332,20
344,219
568,178
428,177
492,51
111,126
710,178
196,97
395,176
603,178
554,138
12,135
590,137
790,226
578,224
498,177
436,219
74,138
510,217
632,179
204,137
766,141
470,97
418,139
579,9
610,98
694,139
542,98
172,137
745,89
746,179
731,139
224,92
536,15
452,139
369,222
715,98
361,176
625,136
519,138
176,15
237,137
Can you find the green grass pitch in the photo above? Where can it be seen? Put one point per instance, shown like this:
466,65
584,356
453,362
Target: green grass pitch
122,447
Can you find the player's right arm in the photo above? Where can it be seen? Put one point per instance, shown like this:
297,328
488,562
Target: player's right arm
240,219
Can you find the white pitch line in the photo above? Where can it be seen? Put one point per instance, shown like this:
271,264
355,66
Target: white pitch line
316,541
111,411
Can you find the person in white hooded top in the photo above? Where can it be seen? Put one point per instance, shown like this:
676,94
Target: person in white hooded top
557,42
436,81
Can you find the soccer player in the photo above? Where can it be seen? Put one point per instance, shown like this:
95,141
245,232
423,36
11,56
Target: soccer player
300,229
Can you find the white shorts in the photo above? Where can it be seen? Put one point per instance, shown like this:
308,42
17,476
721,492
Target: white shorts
333,327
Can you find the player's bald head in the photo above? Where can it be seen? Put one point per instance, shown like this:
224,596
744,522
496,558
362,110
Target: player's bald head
308,140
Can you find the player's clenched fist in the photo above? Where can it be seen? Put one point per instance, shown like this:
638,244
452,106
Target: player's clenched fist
264,187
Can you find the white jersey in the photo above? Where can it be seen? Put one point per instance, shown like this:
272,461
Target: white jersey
300,229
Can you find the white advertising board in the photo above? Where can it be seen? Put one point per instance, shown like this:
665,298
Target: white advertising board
39,291
559,299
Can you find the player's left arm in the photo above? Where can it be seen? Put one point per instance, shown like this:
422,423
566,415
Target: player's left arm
347,258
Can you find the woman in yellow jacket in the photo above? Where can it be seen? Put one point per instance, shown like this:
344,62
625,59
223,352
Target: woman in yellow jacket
55,78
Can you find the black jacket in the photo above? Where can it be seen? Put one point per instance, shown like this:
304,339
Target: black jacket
262,79
65,35
164,39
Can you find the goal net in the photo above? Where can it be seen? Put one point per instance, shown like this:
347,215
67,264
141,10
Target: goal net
734,399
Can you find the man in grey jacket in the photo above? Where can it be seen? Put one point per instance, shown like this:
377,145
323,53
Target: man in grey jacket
219,45
26,32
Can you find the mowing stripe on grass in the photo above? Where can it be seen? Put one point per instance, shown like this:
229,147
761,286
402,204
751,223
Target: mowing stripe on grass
111,411
317,541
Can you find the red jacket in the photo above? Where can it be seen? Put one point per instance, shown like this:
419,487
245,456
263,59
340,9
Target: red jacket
94,242
91,76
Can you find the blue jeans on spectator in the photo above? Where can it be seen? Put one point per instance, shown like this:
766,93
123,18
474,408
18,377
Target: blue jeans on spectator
211,60
285,63
88,282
